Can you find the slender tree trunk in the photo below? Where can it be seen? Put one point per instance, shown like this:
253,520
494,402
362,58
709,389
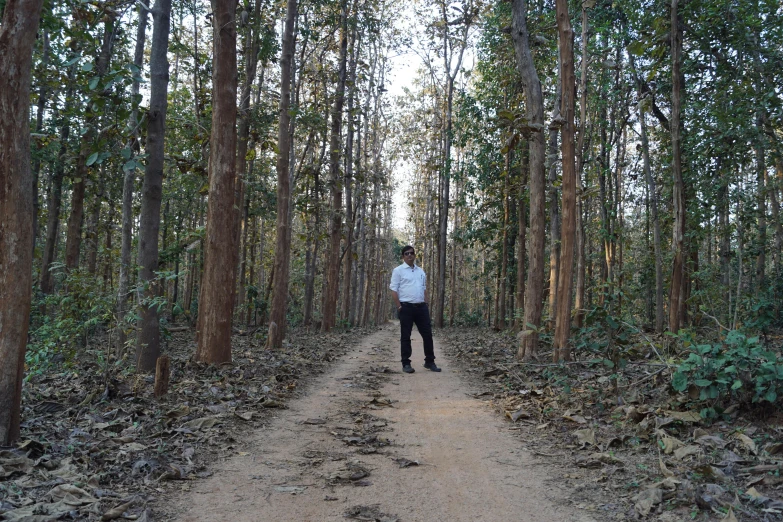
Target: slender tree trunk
678,188
501,319
349,211
653,196
218,283
336,184
76,218
43,96
251,46
521,241
128,182
17,36
277,325
579,303
528,344
566,269
554,208
92,231
55,201
761,207
148,341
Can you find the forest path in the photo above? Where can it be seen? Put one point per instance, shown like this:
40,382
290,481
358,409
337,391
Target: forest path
336,451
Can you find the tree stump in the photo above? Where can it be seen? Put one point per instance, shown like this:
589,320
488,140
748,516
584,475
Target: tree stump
162,373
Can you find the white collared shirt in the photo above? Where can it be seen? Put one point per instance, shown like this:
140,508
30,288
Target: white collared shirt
409,282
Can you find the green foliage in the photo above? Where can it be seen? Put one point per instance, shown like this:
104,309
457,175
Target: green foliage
739,367
61,322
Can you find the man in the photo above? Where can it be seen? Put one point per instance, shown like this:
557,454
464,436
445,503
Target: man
409,289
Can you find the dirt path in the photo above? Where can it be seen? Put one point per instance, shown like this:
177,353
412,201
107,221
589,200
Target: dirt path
336,452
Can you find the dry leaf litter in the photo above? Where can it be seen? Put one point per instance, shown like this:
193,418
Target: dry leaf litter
636,452
96,448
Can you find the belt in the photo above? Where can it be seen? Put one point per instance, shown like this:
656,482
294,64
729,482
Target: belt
415,305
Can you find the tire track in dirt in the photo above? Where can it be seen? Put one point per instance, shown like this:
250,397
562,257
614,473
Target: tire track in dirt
336,451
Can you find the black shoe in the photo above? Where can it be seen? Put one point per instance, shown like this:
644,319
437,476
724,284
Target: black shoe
431,367
408,369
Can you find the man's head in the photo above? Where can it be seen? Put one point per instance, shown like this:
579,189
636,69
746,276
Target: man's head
408,254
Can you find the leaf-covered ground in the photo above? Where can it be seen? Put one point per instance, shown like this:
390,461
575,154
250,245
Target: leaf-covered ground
637,450
103,448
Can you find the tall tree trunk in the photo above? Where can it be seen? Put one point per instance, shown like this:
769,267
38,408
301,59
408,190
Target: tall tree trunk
17,36
678,187
218,283
501,319
128,182
251,45
652,191
761,206
76,218
277,324
91,234
349,210
528,343
554,208
148,341
43,95
579,303
521,241
336,183
565,277
55,200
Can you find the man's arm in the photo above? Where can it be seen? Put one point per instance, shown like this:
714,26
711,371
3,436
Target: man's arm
396,298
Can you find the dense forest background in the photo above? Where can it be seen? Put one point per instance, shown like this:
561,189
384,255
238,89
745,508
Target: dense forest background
585,174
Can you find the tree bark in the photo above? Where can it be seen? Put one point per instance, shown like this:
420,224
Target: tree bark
148,341
336,183
76,218
17,36
678,188
566,269
652,191
252,44
528,343
554,208
128,182
43,98
521,241
277,325
55,199
349,210
218,283
579,303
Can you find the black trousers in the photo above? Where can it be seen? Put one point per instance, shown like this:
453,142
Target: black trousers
419,314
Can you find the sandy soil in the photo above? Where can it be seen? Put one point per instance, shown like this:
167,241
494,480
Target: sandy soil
335,453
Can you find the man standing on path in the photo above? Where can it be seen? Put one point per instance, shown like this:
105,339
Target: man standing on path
409,289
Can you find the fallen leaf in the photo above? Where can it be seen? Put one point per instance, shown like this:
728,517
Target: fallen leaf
245,415
647,499
116,512
133,446
201,423
730,517
746,442
670,444
575,418
405,463
681,453
688,417
519,414
290,489
664,470
585,437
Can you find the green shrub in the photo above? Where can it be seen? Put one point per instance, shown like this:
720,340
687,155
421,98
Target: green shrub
740,367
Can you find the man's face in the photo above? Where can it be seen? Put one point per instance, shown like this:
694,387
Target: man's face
409,256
